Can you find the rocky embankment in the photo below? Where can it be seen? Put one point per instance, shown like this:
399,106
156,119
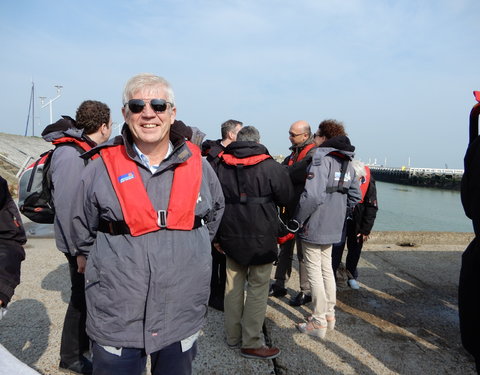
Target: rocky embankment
15,152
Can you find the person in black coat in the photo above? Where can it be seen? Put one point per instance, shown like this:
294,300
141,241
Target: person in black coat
358,225
12,237
212,151
253,185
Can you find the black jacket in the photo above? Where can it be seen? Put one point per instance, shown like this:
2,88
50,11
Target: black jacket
12,237
211,149
298,175
248,231
364,213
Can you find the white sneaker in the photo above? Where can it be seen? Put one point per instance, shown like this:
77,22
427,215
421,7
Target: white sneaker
352,283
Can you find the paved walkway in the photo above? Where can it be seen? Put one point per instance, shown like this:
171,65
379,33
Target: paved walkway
403,320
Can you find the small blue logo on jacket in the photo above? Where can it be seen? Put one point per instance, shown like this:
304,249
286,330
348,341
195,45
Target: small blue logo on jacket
126,177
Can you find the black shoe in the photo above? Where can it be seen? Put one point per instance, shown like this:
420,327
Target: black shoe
82,366
277,291
300,299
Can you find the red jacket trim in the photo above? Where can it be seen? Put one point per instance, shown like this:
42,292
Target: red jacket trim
251,160
84,145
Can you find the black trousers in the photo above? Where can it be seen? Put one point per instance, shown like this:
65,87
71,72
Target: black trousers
469,300
354,245
74,338
218,279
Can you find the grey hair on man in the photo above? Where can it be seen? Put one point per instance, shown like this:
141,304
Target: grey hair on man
229,126
248,134
143,80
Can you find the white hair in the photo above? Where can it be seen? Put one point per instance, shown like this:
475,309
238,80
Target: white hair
147,80
359,168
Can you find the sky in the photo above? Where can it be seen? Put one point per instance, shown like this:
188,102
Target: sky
398,74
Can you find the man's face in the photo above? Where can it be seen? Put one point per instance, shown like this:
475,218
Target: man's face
148,127
297,135
235,132
107,132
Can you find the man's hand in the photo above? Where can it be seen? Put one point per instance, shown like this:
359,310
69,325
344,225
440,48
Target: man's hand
217,247
81,263
362,237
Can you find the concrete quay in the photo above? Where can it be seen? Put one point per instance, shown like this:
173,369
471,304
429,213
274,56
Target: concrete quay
403,320
427,177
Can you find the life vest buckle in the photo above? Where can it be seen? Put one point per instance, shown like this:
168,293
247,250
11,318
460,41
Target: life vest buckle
162,218
243,197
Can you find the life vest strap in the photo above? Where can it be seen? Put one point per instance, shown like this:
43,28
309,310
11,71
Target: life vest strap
120,227
248,200
340,188
336,189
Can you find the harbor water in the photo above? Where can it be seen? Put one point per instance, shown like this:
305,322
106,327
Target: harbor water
411,208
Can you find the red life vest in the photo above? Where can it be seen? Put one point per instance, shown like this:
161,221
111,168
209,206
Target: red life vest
84,145
301,154
137,209
364,183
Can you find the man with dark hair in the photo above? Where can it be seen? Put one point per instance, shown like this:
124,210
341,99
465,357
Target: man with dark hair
253,184
93,116
212,149
145,214
93,126
303,147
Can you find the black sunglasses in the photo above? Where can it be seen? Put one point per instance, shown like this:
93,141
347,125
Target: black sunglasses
137,105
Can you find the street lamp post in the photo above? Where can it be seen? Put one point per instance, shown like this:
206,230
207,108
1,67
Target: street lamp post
49,103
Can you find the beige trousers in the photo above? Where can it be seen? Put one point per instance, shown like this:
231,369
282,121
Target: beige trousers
318,261
244,316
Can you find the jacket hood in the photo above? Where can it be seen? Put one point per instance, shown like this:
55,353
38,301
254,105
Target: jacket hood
340,142
244,149
63,127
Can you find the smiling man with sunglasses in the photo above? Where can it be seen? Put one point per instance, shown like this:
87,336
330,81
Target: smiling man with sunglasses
148,209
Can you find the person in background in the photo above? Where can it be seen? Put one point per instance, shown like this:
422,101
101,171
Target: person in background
146,212
358,225
12,239
92,126
328,129
253,184
212,150
330,188
302,148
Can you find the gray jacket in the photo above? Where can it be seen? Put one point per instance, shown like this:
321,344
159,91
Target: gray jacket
321,214
65,168
152,290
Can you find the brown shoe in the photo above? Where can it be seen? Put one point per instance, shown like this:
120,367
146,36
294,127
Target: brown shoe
263,352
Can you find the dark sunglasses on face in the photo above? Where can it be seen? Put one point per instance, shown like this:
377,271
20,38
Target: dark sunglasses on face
293,135
137,105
